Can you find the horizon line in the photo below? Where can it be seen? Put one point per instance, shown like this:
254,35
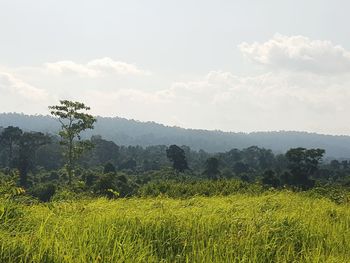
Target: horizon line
191,129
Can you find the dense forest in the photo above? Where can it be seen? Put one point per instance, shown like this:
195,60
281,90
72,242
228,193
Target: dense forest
44,165
125,132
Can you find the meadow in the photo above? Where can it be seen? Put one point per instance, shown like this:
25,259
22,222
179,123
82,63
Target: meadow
275,226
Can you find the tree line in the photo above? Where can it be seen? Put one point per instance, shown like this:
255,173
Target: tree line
45,161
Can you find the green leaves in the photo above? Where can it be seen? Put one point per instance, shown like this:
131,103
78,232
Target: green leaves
8,187
303,163
8,139
74,119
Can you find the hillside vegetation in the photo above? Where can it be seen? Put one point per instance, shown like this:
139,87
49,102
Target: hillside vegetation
69,198
130,132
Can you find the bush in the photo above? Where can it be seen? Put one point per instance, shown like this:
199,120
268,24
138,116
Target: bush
187,189
337,194
44,192
270,179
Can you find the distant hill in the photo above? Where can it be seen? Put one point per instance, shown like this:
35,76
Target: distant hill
130,132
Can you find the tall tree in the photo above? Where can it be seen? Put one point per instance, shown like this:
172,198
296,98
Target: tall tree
28,145
303,163
103,152
74,119
177,155
212,168
8,139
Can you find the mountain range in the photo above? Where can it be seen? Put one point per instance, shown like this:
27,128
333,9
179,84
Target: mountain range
131,132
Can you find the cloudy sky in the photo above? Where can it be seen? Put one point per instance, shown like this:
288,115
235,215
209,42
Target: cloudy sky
234,65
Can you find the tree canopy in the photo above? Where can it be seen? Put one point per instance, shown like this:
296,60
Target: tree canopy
177,156
74,119
303,163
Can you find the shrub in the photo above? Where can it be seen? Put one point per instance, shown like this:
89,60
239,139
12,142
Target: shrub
44,192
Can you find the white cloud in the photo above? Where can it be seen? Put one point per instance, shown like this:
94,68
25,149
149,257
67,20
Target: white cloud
299,53
107,65
95,68
271,101
299,97
13,85
67,67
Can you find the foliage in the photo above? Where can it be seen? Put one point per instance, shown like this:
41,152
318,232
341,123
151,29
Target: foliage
337,194
9,137
74,120
44,192
109,168
243,205
29,143
177,155
212,168
9,198
8,188
303,163
270,179
186,189
113,185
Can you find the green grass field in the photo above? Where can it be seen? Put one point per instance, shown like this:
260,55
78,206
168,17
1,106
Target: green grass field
273,227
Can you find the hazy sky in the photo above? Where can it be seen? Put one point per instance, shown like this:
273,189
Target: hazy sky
239,65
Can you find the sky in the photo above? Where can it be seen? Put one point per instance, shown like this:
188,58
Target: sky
232,65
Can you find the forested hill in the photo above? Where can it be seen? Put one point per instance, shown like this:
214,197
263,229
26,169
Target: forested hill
131,132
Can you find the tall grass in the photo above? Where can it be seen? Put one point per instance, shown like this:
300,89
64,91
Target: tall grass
274,227
186,189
